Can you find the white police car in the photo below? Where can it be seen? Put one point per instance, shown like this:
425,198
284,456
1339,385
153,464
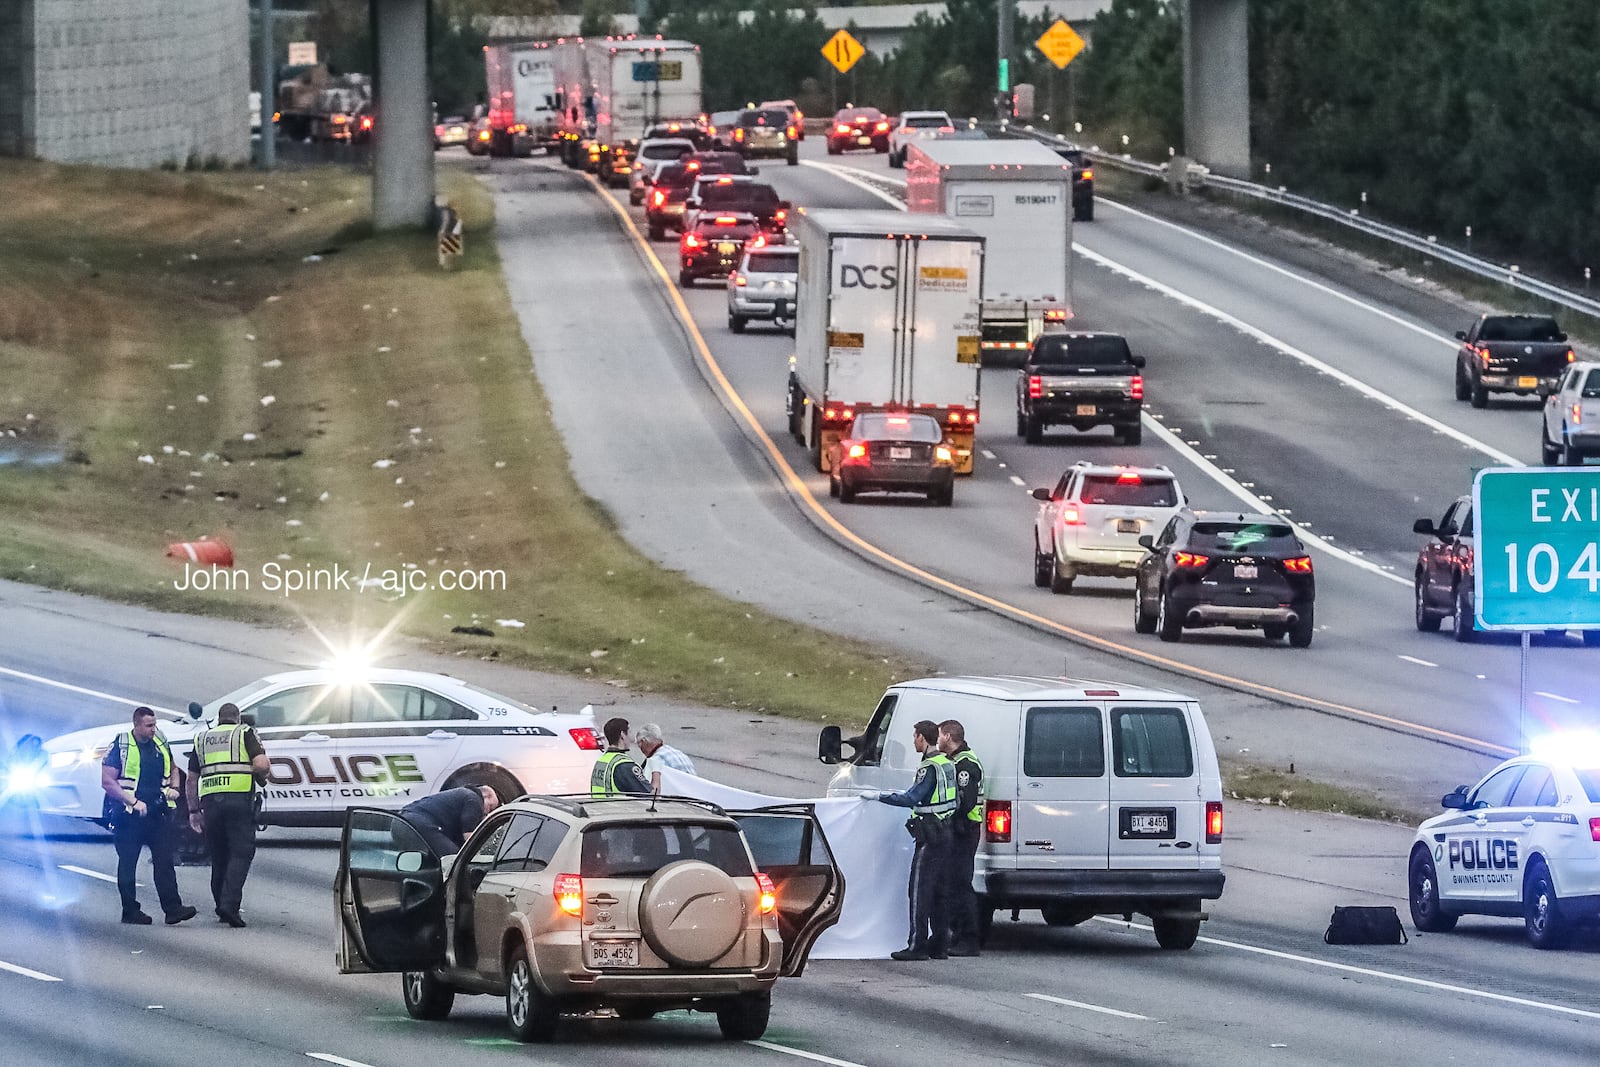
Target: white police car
369,737
1525,841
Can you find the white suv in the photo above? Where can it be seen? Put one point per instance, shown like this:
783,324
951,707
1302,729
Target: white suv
914,126
1091,522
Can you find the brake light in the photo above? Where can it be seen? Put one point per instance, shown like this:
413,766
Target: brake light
1190,559
1129,478
1071,516
1056,315
1483,353
569,893
782,214
1572,357
943,454
483,135
1035,387
1214,822
658,198
897,420
726,220
791,131
1298,565
769,893
841,128
738,135
1136,388
1594,829
1577,413
366,122
858,451
997,820
740,279
1088,175
693,164
882,127
691,241
584,738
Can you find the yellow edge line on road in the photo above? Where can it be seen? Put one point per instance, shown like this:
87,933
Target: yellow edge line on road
803,492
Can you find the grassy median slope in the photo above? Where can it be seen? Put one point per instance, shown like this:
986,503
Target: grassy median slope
237,355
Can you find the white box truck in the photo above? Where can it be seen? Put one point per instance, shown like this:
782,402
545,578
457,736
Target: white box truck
522,97
611,89
887,319
1018,195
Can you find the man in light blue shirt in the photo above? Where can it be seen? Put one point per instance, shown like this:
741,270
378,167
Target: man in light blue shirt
659,754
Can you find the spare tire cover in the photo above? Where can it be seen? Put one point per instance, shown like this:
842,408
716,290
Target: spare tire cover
691,913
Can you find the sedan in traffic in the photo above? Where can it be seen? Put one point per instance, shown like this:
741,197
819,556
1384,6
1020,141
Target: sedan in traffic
893,452
857,129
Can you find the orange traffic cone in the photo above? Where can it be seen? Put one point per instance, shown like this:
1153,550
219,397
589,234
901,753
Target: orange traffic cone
214,553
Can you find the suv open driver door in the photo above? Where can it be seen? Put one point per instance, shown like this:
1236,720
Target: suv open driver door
388,896
789,847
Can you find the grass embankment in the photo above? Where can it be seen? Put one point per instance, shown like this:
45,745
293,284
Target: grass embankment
174,367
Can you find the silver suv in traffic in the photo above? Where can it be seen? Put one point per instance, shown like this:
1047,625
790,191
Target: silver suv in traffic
763,287
627,905
1091,522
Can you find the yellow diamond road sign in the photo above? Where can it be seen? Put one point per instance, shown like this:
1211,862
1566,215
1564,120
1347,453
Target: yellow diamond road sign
1060,43
843,50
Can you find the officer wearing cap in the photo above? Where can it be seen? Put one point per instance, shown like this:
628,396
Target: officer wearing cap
932,800
967,833
614,772
225,765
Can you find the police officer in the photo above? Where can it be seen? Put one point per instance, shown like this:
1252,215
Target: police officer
614,772
225,765
141,783
967,833
446,818
932,800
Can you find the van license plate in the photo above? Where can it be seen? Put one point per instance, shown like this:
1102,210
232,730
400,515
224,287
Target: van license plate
1086,409
613,953
1527,383
1245,570
1154,823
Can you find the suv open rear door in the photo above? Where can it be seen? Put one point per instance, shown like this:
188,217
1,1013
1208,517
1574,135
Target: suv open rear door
790,848
388,896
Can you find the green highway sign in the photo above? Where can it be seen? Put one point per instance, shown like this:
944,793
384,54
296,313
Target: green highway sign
1537,548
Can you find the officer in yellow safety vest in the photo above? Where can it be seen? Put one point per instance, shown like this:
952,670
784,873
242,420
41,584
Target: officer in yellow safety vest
225,766
141,784
932,800
968,834
614,772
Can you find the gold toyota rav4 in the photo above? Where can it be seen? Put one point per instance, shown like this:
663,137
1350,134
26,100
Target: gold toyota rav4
575,905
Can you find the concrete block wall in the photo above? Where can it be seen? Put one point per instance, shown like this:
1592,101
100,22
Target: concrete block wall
138,83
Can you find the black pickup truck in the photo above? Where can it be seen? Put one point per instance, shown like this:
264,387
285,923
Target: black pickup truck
1521,354
1081,380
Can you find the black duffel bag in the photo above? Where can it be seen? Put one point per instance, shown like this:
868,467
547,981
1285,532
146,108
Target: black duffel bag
1365,926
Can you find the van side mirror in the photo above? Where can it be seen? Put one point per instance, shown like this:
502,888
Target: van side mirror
1461,335
830,745
1424,527
195,710
1138,361
1456,799
1042,494
1147,541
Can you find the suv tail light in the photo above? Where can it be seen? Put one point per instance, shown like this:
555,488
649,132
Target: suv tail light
738,134
769,893
1071,516
1298,565
1136,388
569,893
1035,387
882,127
1190,559
1594,829
997,820
658,198
584,738
740,279
1214,822
691,241
791,131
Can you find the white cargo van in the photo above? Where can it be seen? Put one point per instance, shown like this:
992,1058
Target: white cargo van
1100,798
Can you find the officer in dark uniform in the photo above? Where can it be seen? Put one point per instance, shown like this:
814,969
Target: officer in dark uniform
967,833
614,772
446,818
141,783
932,800
226,765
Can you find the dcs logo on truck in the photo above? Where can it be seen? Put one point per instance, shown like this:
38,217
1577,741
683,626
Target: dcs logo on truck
852,277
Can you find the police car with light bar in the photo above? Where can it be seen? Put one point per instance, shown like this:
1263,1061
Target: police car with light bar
368,737
1524,842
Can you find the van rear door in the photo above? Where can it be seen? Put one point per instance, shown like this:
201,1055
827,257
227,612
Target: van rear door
1062,795
1157,813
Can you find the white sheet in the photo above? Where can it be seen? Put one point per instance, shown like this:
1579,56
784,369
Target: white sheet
870,845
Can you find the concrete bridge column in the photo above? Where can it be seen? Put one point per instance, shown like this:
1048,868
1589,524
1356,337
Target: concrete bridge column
402,150
1216,84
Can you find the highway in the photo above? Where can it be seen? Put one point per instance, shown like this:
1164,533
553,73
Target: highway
1304,391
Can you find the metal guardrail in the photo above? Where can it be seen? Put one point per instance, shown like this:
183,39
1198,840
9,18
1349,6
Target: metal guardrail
1199,177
